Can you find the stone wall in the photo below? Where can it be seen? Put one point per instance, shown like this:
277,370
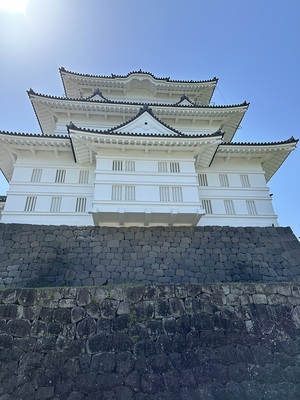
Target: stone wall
160,342
39,255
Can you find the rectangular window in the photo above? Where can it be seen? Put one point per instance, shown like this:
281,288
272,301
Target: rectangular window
30,203
173,193
245,180
251,207
206,204
116,193
117,165
60,176
36,175
229,207
84,176
55,204
129,194
129,165
123,193
202,178
164,193
224,180
162,167
80,204
177,194
172,167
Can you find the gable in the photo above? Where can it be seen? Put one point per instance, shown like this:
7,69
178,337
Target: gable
147,124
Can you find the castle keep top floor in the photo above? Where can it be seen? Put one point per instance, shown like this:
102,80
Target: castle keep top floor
137,87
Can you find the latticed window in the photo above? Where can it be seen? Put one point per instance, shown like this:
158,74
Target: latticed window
84,176
170,193
206,204
80,204
119,165
164,166
36,175
60,176
202,178
174,167
245,180
55,204
164,193
177,194
229,207
30,203
224,180
129,165
123,193
251,207
129,193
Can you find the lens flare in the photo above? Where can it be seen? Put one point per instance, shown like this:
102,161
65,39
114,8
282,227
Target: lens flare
14,6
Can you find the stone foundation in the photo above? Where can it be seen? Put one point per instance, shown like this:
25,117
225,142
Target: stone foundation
35,256
160,342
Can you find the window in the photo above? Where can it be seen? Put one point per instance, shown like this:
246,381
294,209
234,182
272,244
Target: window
129,193
119,165
245,180
60,176
36,175
202,178
164,193
129,165
251,207
123,193
224,180
229,207
173,193
30,203
206,204
55,204
174,167
177,194
83,176
80,204
164,166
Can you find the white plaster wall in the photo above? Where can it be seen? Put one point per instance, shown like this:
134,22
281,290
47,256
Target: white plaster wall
258,192
21,187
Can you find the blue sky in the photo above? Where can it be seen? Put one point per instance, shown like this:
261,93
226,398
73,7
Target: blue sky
253,47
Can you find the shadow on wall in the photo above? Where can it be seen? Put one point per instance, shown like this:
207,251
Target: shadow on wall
39,255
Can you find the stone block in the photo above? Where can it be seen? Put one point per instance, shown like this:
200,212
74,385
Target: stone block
18,327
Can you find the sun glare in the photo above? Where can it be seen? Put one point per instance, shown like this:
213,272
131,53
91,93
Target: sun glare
14,6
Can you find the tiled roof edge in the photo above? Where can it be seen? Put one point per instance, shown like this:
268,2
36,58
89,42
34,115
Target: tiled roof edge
31,91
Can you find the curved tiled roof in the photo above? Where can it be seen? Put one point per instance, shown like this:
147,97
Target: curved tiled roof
116,76
108,101
109,132
36,135
290,140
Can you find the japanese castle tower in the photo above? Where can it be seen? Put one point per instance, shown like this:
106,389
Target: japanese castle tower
137,150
